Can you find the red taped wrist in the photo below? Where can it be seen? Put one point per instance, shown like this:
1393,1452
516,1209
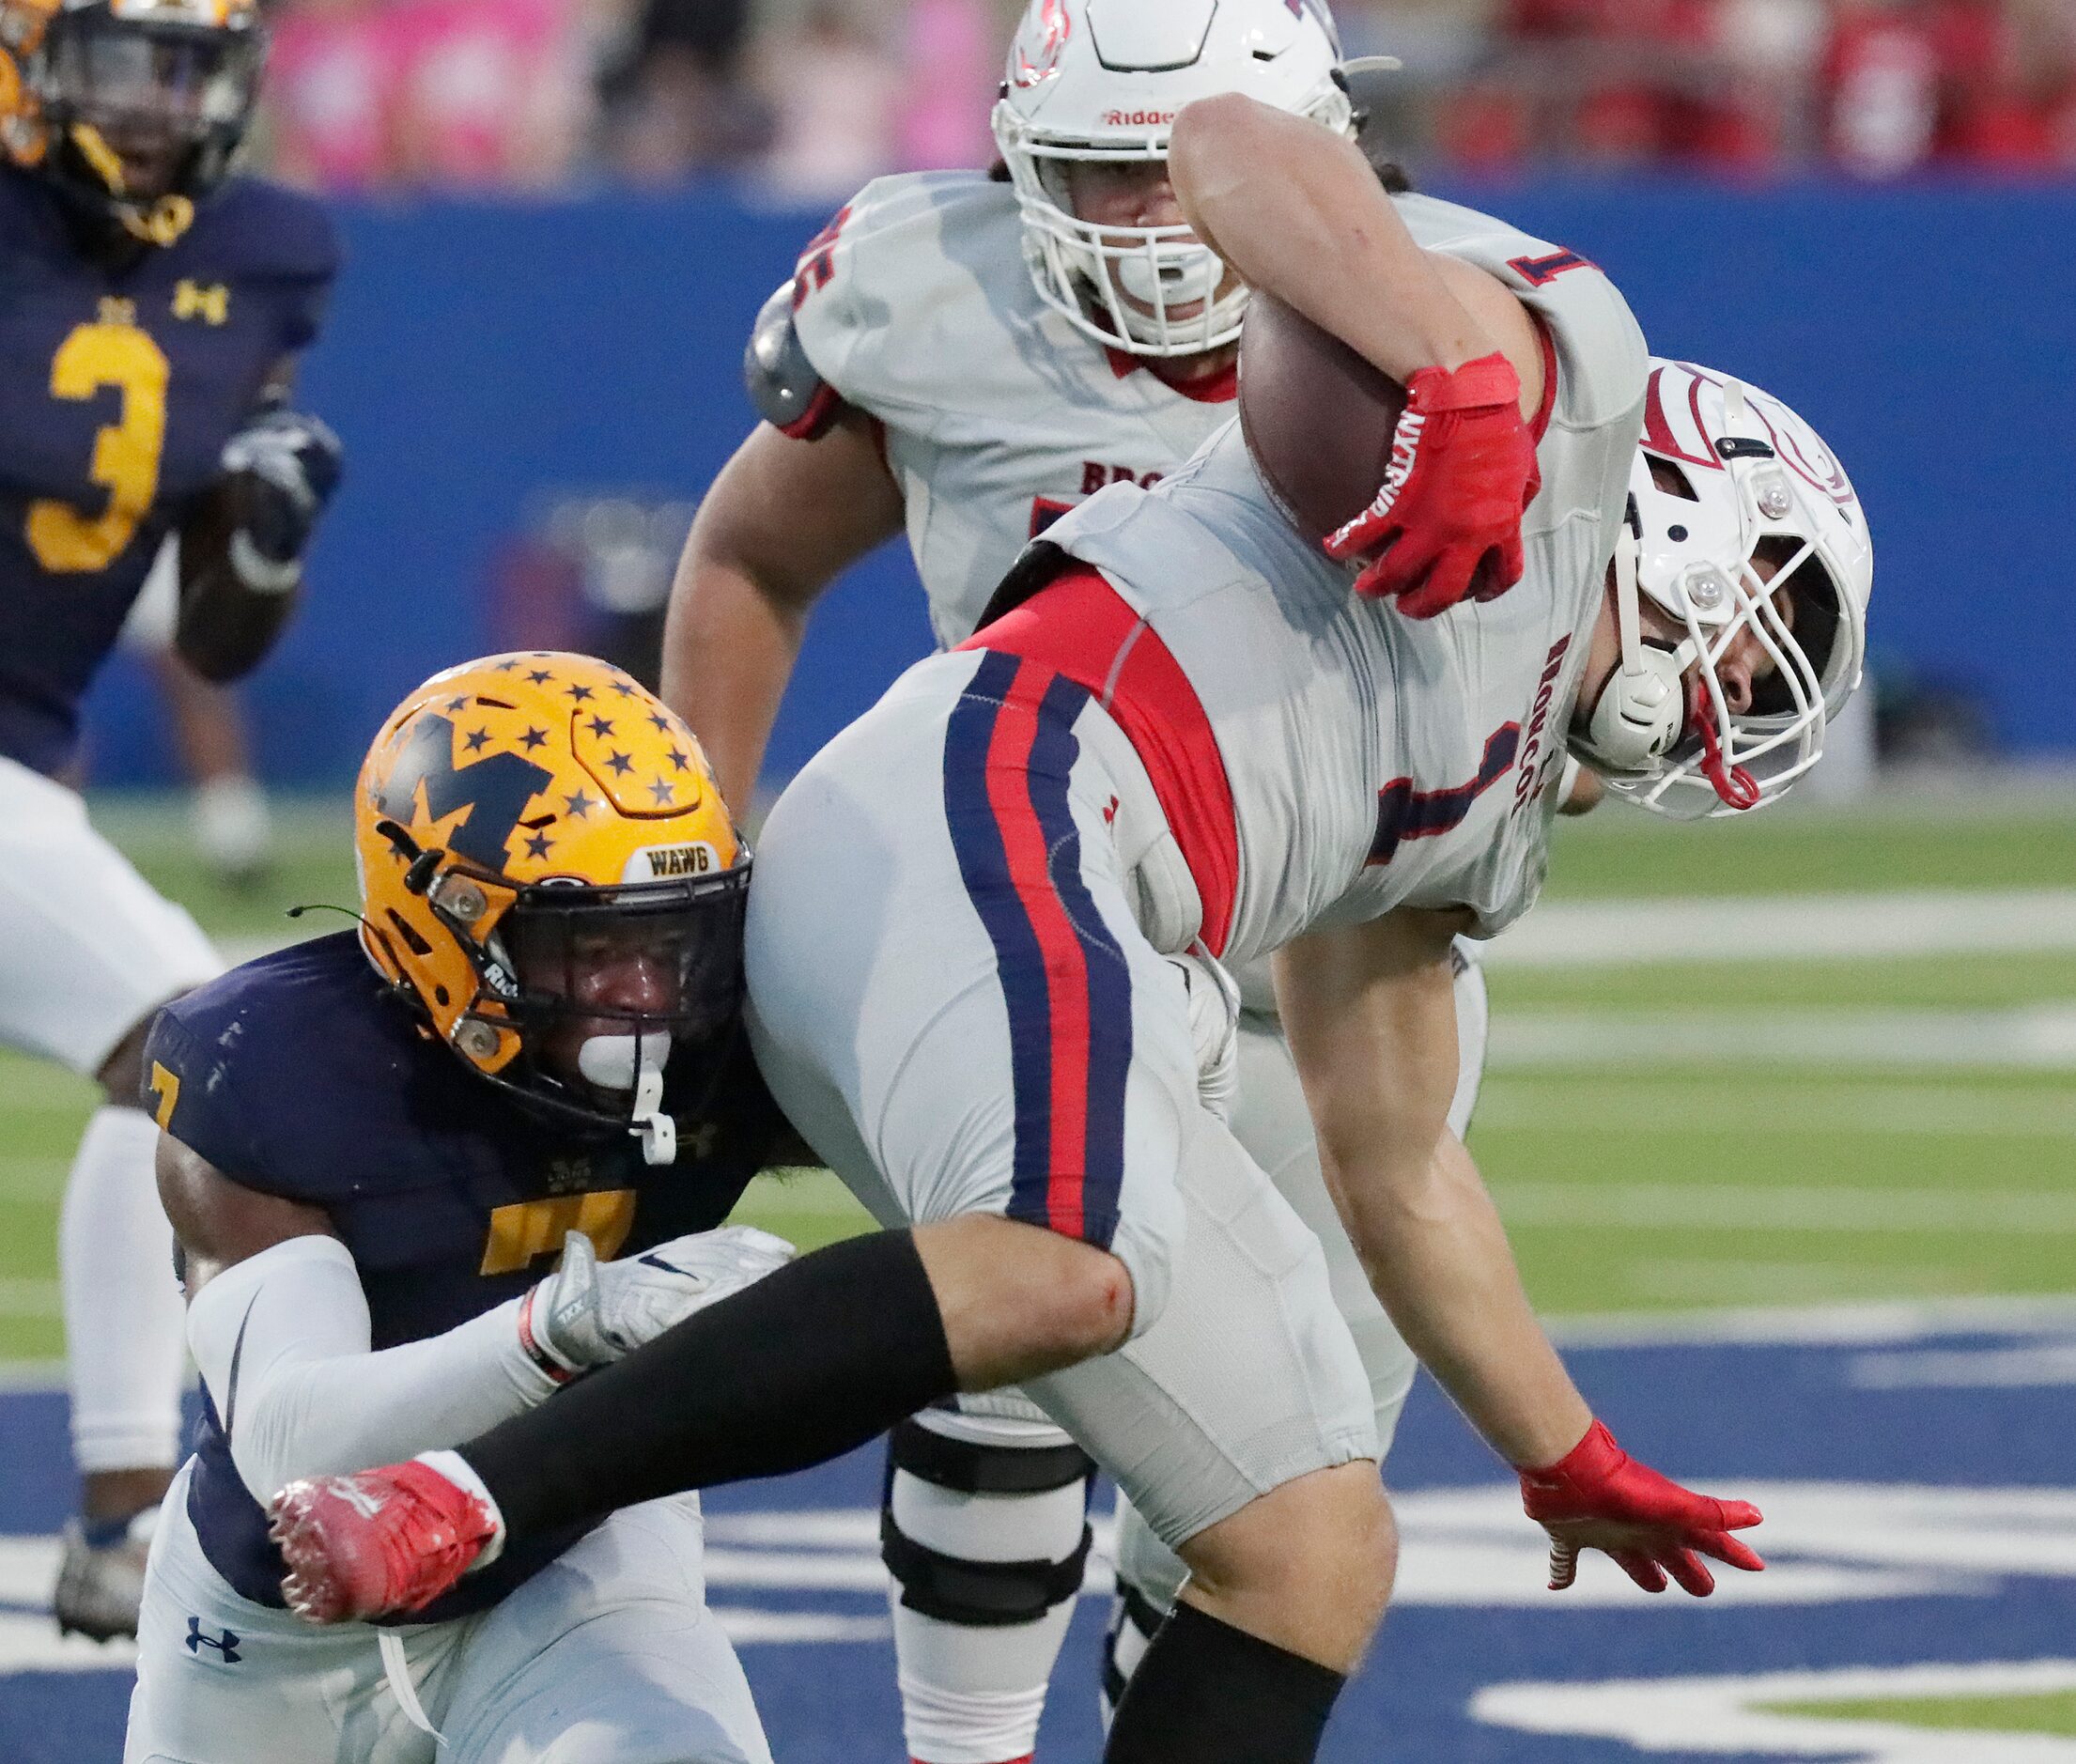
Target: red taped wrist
1590,1461
1488,380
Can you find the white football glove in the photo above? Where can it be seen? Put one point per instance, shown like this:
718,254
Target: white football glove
1213,1029
588,1313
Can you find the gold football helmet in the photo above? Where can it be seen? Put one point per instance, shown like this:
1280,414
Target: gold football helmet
132,108
548,874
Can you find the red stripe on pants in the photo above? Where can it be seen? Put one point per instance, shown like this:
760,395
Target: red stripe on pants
1066,968
1076,625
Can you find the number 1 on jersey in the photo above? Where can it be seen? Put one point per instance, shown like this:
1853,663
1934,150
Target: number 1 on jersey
126,453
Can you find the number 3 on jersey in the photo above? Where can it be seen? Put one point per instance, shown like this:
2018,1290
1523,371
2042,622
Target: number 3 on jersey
126,453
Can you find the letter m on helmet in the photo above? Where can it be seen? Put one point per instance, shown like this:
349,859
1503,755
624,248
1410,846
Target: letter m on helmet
495,790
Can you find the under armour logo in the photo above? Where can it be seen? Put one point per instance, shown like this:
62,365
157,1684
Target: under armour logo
226,1644
212,304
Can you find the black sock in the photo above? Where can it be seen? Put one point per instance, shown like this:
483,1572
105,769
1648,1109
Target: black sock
815,1359
1206,1692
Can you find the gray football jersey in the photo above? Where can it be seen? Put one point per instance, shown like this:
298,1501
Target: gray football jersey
1375,760
914,305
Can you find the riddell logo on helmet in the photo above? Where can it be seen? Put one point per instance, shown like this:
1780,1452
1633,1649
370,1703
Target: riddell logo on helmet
1138,118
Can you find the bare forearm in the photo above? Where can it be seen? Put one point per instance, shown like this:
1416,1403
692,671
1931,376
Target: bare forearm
1298,212
1438,1258
728,650
784,519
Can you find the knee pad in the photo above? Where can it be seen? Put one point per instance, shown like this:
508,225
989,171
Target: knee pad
982,1533
1133,1617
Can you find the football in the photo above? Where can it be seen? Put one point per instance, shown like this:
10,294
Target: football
1316,417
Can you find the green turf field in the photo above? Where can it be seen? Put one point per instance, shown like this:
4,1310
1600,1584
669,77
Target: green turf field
2053,1712
1722,1173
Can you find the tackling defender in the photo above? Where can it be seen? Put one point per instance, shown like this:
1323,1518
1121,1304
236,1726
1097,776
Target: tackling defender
971,355
153,310
551,889
958,985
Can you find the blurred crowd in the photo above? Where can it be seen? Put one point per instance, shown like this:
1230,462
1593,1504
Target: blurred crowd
809,97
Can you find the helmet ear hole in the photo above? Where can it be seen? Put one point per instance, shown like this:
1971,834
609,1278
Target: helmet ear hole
1669,478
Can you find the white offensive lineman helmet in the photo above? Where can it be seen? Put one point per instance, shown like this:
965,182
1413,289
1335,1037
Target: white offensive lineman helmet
1728,477
1102,80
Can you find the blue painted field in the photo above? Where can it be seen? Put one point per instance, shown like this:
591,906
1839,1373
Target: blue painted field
1915,1468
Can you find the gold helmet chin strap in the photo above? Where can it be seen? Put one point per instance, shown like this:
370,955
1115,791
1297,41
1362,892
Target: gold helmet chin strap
162,223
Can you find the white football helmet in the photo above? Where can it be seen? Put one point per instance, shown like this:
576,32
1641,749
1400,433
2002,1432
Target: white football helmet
1728,477
1101,79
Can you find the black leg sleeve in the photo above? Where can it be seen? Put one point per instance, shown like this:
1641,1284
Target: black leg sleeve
821,1356
1206,1692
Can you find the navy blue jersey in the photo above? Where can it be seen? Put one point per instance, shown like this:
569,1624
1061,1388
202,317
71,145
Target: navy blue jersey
119,388
303,1075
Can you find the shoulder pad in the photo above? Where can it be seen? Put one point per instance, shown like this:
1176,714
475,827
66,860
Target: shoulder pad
782,382
273,231
186,1091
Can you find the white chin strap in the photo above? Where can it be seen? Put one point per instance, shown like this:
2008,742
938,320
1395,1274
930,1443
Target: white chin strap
1642,708
635,1062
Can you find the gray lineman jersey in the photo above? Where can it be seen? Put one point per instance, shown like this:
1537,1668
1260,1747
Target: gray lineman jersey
1375,760
998,416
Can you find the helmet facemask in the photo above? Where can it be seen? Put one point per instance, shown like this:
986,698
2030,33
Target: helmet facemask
584,994
1728,760
1147,290
1736,548
1099,83
145,116
549,876
611,983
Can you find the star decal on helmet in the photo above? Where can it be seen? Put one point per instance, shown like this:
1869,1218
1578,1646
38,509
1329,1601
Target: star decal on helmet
458,705
680,759
664,791
541,676
580,805
579,693
599,726
620,764
536,846
661,722
625,688
534,738
505,666
479,739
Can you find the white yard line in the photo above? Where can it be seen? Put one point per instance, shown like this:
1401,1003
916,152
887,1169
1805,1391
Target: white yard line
1652,1103
2031,1038
1803,927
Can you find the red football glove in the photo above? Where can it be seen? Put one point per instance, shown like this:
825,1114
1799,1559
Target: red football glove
1598,1497
1446,523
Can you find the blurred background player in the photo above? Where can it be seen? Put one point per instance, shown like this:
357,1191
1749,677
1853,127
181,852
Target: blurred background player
376,1143
971,355
154,306
228,820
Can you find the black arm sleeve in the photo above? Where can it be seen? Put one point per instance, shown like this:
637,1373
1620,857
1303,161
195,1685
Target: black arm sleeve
819,1357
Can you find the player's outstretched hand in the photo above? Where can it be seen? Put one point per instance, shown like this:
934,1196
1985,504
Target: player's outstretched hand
1446,523
589,1312
1598,1497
